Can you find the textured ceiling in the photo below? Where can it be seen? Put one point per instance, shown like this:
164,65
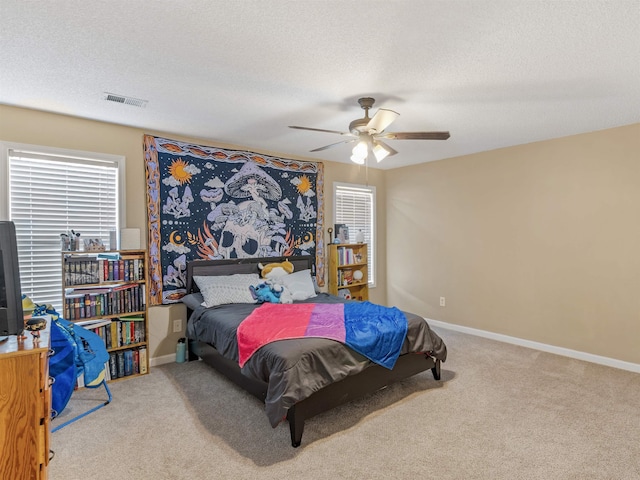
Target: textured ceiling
493,73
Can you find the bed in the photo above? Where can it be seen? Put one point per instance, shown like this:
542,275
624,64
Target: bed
302,377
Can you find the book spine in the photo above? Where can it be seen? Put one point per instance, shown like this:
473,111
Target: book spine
136,269
120,363
120,269
107,370
101,270
128,363
143,359
136,361
110,270
114,334
107,336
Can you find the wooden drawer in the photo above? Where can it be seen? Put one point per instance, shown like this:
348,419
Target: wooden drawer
25,405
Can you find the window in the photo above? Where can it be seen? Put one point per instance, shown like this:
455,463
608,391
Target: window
355,206
48,191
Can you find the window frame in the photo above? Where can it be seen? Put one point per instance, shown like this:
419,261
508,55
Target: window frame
371,244
77,156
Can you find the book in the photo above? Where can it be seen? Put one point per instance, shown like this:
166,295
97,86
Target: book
109,255
121,269
136,361
79,291
142,354
120,363
115,342
107,370
128,363
90,324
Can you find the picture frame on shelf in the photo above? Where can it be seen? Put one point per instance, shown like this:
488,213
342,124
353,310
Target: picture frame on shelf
342,232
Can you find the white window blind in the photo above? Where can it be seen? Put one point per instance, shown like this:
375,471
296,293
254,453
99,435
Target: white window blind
355,207
53,194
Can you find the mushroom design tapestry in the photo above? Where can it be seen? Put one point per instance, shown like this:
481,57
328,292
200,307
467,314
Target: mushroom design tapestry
212,203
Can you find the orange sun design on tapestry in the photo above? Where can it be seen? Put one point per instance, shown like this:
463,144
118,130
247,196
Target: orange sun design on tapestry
178,170
304,185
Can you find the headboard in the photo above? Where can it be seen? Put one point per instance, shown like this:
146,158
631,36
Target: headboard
240,265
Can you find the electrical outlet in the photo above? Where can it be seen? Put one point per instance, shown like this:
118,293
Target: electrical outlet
177,325
443,302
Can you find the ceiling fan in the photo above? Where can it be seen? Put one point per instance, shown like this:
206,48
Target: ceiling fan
370,132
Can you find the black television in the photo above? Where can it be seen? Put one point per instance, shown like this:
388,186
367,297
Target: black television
11,315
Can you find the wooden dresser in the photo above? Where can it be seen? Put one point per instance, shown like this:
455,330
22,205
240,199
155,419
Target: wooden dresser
25,407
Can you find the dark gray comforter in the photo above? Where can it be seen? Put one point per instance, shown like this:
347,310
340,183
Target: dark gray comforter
294,369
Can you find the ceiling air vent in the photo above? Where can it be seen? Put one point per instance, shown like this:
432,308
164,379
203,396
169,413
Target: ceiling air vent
136,102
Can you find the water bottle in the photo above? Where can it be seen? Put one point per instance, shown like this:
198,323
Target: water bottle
181,350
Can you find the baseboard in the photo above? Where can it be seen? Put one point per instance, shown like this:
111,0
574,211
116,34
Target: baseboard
156,361
565,352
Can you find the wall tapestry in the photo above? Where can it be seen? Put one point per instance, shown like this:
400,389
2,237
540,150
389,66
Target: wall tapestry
211,203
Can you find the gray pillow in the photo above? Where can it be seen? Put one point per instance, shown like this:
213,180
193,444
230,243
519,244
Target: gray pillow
218,290
193,300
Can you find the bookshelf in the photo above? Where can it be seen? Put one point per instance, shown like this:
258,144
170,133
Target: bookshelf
344,261
106,292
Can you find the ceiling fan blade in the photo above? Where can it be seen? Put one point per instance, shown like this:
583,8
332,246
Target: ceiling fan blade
319,130
415,135
385,146
381,120
332,145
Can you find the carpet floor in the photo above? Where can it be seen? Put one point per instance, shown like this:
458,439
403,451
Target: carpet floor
499,412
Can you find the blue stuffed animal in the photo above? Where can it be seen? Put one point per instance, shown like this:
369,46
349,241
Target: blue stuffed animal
264,293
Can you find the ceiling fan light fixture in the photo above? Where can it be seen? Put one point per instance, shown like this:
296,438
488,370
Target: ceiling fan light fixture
358,160
359,152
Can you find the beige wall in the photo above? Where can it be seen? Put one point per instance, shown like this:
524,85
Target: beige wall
41,128
539,241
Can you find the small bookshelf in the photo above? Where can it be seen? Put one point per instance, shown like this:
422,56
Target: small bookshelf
348,270
106,292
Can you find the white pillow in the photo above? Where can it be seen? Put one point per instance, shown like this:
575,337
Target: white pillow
218,290
299,284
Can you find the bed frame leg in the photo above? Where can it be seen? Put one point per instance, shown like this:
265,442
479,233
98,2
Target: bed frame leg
436,370
296,427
